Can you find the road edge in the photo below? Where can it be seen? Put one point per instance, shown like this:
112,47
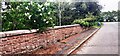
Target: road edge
83,41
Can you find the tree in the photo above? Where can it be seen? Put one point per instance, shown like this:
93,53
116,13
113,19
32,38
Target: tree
110,16
79,10
28,15
118,15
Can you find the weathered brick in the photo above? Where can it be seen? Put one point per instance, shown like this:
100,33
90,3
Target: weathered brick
27,42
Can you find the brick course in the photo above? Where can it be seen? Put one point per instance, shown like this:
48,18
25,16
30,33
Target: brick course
29,42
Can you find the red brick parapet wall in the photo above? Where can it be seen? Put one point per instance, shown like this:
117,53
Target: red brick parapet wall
31,41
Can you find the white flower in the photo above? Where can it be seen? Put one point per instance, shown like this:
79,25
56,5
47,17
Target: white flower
43,8
47,22
25,14
27,8
28,13
48,12
41,14
28,3
12,9
47,4
29,16
34,21
44,19
9,5
39,10
50,18
40,5
17,7
53,24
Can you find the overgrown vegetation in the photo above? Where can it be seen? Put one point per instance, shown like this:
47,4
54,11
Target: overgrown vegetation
40,15
79,10
109,16
87,22
28,15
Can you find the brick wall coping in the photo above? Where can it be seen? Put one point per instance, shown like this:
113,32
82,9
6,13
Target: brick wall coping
65,26
17,32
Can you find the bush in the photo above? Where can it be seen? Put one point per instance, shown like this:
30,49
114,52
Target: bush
81,22
28,15
87,22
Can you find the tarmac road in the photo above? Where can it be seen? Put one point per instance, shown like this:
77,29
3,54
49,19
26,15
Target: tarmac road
105,41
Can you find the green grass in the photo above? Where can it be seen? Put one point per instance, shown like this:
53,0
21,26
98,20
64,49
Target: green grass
96,26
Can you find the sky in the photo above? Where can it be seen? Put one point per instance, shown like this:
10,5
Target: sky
109,5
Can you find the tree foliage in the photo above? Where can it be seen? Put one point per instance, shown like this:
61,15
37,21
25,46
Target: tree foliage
28,15
79,10
40,15
109,16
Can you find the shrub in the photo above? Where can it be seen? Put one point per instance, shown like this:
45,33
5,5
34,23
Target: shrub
28,15
87,22
81,22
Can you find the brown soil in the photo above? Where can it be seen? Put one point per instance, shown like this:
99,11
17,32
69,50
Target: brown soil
65,45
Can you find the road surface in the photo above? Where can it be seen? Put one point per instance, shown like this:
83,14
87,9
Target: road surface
105,41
